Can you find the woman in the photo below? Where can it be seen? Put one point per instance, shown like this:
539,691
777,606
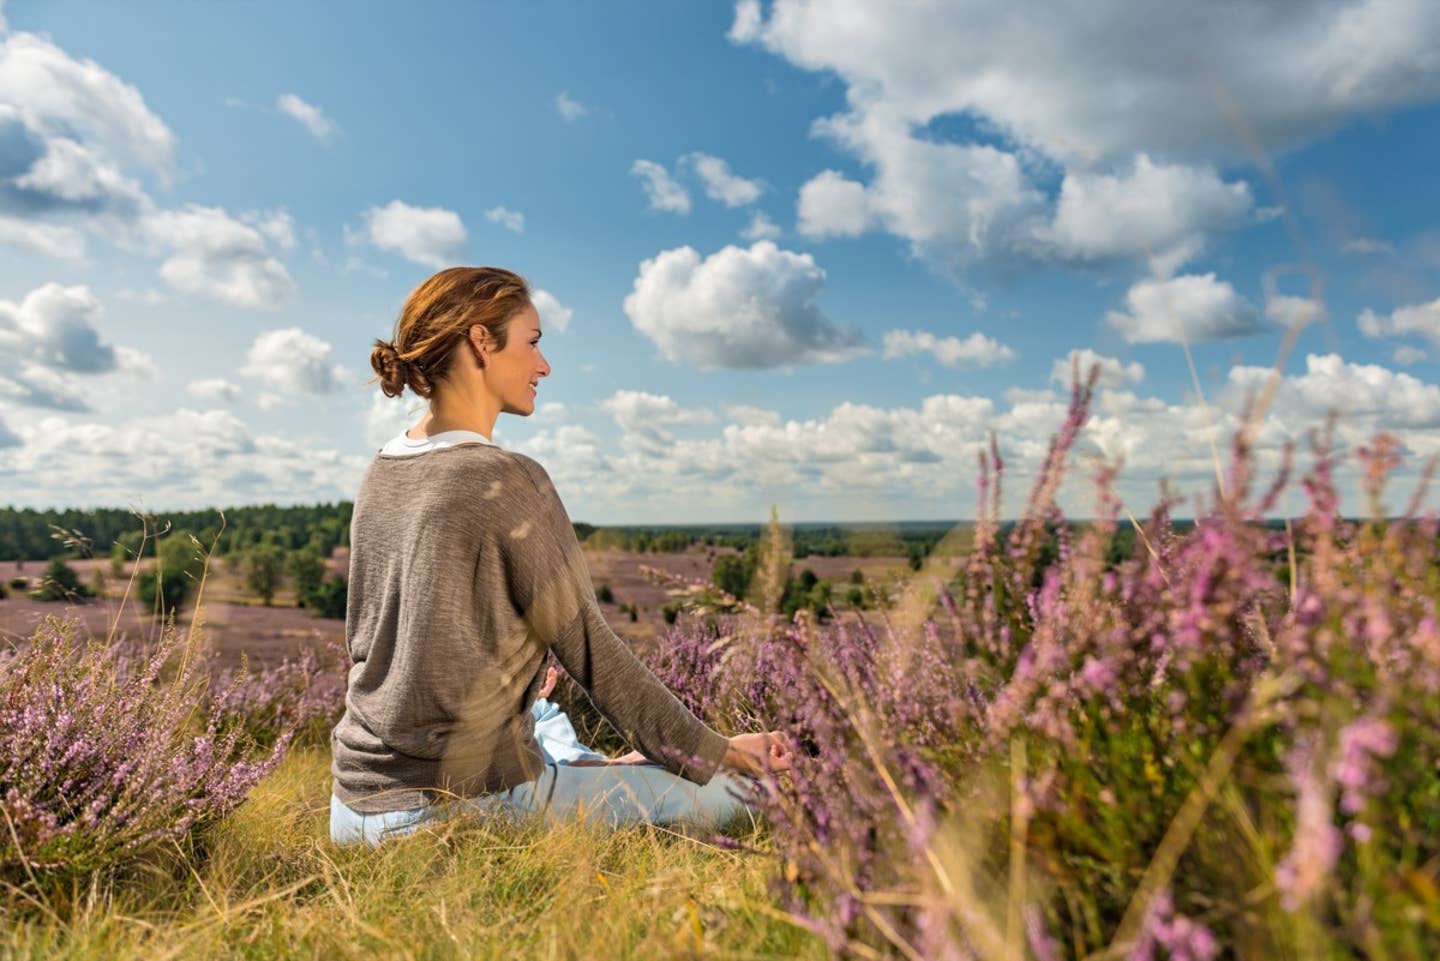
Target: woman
464,572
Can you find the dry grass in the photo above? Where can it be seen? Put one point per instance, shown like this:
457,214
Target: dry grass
267,883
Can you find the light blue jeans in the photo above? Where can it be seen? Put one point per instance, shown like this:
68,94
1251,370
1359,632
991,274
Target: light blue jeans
611,795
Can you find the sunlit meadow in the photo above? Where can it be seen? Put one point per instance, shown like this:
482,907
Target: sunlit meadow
1123,738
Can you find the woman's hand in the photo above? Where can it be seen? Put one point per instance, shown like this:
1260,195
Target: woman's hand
754,754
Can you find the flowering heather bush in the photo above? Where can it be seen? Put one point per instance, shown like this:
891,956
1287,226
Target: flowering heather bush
1226,742
106,753
304,695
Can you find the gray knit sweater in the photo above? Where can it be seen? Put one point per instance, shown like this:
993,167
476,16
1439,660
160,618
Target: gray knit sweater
464,571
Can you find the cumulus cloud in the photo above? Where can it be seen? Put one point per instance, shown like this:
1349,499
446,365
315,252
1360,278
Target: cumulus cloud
643,417
1287,310
737,308
553,314
388,416
977,350
277,226
661,189
291,361
1113,372
54,325
760,227
512,220
214,389
1405,355
203,459
569,108
214,255
1192,307
721,184
1156,211
1368,397
955,203
430,236
831,205
1416,319
1047,92
74,142
52,240
311,117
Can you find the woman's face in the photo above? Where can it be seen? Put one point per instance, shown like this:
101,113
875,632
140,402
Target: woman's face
512,373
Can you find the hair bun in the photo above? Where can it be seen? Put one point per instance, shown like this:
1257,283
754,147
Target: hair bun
390,367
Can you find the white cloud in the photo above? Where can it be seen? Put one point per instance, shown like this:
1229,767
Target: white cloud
1405,355
738,308
638,410
512,220
1287,310
74,139
1155,211
52,240
643,417
976,350
1364,246
760,227
33,385
291,361
149,297
1053,84
431,236
1416,319
663,192
214,255
747,23
58,99
720,183
202,459
569,108
831,205
214,389
321,127
54,325
1192,307
277,225
955,203
388,416
1087,89
1367,396
553,314
1113,372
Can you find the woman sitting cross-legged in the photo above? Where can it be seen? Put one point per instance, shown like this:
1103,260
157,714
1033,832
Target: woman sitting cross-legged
464,573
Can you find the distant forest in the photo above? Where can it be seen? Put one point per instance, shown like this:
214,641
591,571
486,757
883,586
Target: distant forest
29,534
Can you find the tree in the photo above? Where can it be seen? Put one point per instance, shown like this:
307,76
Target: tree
732,573
118,556
59,583
178,565
263,565
330,598
307,567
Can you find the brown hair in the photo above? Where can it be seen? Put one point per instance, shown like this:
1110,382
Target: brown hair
437,315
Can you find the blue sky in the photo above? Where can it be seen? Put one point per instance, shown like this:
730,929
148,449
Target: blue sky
803,253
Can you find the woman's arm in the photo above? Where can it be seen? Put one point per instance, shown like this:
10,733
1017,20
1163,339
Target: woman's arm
549,583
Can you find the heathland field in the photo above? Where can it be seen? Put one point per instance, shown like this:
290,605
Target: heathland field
1127,738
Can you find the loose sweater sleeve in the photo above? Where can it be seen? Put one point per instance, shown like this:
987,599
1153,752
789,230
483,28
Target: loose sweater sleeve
549,583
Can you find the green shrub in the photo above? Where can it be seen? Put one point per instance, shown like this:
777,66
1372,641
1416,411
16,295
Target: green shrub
330,598
604,595
59,583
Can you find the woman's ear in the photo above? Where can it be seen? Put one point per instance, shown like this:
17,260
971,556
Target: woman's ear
479,338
